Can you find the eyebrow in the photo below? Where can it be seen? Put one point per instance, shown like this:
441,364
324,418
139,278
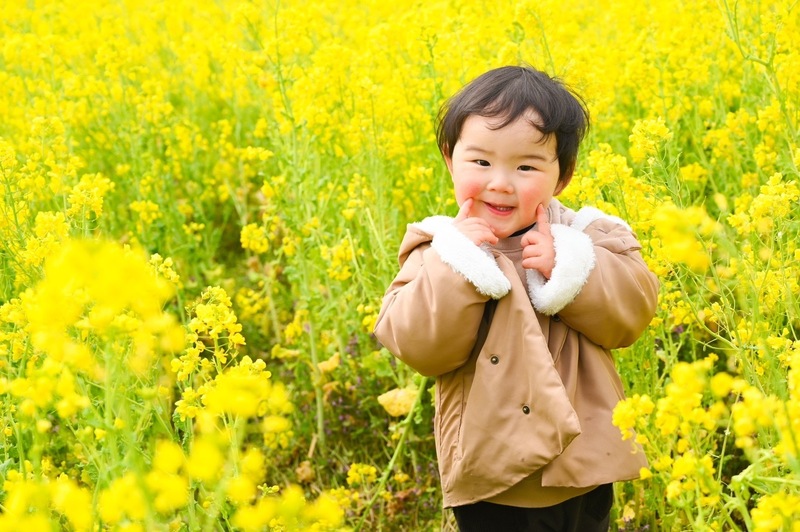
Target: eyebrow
536,156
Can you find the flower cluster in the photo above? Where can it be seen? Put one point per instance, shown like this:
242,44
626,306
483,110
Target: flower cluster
266,159
398,402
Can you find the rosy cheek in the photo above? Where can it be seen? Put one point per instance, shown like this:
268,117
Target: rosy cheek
469,189
533,195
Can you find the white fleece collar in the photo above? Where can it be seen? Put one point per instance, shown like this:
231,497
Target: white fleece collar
575,260
477,265
587,215
574,263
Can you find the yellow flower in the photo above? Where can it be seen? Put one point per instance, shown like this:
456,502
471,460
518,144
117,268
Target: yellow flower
340,259
171,491
73,501
679,232
50,228
775,512
239,391
326,366
253,464
360,474
254,237
272,424
646,136
721,384
102,280
147,211
168,457
205,461
87,196
629,411
693,173
240,490
398,402
165,268
325,510
256,517
294,330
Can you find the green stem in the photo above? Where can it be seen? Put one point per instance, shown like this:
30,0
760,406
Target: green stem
218,500
407,427
268,294
722,452
319,397
20,446
318,393
737,503
774,480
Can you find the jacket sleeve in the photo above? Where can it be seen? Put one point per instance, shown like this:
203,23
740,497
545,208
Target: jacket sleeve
611,295
431,312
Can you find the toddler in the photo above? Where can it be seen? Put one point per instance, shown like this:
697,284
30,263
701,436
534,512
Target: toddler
514,306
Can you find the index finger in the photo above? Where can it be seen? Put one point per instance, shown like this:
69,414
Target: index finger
463,211
542,220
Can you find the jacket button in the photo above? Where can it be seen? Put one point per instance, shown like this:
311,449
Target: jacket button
556,317
495,359
526,410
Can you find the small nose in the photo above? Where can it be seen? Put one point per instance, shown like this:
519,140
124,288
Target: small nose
500,182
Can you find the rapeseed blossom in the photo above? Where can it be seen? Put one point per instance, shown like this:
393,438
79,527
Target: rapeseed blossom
240,390
629,411
776,201
646,137
693,173
359,474
172,126
779,511
214,318
123,500
28,504
95,286
147,212
398,402
680,233
50,228
87,196
340,259
170,489
254,238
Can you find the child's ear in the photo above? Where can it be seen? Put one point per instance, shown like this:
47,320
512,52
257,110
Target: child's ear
448,160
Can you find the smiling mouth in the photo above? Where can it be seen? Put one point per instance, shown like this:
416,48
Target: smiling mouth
499,208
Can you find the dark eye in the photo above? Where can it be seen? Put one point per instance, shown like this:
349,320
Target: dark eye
527,168
481,162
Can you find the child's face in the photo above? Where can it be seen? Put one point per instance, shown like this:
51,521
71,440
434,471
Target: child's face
507,172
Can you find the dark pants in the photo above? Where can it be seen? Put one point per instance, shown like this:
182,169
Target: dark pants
586,513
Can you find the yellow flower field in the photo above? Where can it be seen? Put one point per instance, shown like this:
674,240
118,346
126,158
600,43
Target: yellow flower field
200,206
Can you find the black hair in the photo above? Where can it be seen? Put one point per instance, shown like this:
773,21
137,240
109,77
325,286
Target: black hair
509,92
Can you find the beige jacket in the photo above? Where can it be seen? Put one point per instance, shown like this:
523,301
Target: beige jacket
541,390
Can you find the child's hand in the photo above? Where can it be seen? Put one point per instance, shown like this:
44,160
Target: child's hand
538,252
476,229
